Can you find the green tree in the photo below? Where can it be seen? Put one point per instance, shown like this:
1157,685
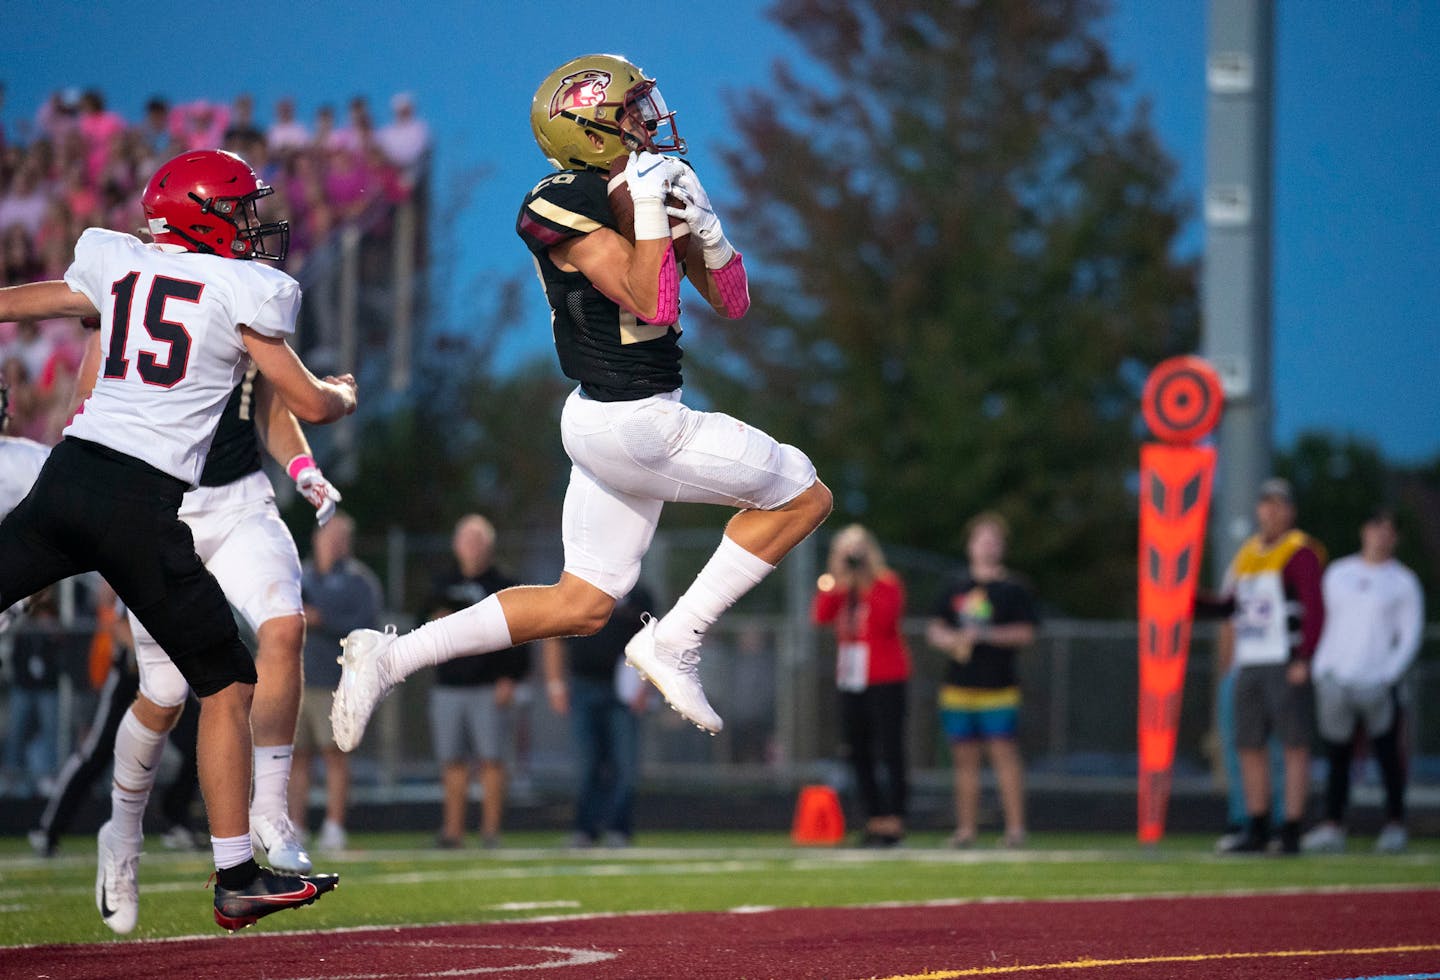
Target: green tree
962,246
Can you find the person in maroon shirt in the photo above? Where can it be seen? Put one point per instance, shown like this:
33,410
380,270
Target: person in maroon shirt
864,601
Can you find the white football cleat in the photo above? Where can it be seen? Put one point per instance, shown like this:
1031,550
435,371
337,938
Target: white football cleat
279,841
360,688
117,890
676,674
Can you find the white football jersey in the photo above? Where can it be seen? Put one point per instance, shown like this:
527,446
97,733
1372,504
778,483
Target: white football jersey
171,343
20,462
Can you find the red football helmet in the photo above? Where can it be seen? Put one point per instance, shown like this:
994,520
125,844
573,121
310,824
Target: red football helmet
204,201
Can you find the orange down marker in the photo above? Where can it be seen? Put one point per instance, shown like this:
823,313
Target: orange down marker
1181,404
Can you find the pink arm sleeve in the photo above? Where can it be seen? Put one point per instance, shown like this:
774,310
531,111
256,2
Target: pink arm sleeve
667,297
734,287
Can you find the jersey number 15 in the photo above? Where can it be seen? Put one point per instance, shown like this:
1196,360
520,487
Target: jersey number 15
150,368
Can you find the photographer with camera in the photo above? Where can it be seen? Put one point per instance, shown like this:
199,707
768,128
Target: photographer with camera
865,602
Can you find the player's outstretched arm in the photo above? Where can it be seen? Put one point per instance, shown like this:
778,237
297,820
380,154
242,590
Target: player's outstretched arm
280,431
41,300
312,399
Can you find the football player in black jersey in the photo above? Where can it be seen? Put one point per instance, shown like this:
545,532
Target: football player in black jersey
634,445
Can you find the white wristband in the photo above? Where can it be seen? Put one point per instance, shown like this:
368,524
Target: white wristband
651,221
718,256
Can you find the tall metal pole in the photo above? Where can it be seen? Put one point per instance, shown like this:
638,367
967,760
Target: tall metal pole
1235,295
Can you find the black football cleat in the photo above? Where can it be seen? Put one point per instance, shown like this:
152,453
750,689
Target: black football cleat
270,891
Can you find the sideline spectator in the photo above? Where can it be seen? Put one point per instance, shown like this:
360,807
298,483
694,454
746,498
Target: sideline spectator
472,703
340,594
286,133
37,657
1374,617
865,601
199,125
586,677
1272,600
981,623
405,139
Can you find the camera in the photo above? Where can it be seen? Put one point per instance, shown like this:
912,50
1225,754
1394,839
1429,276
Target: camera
854,562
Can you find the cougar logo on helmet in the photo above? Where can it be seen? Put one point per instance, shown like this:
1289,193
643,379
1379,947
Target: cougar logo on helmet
582,90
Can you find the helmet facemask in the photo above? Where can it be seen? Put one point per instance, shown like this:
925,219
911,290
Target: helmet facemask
642,116
252,235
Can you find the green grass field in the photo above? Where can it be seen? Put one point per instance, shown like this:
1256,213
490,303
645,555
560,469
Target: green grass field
398,879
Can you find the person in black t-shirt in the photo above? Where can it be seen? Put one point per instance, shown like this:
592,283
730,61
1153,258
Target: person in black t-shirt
473,701
980,623
604,715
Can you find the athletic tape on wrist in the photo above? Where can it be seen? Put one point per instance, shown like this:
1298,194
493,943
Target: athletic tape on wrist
718,255
298,465
734,287
651,220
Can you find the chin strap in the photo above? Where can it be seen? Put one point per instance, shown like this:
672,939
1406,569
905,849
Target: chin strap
734,287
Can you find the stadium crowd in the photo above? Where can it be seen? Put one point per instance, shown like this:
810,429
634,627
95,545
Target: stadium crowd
78,164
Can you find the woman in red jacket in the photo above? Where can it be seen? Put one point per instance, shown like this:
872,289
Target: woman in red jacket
865,601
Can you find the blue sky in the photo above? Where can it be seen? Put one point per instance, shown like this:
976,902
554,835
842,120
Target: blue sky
1357,155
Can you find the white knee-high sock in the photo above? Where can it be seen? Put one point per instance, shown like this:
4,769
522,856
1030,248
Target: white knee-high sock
272,779
137,756
729,574
480,628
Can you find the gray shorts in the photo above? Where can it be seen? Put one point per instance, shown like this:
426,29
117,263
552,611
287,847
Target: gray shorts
1267,704
468,717
312,728
1339,706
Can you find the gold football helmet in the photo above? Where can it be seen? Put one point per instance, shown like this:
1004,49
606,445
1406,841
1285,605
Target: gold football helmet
604,95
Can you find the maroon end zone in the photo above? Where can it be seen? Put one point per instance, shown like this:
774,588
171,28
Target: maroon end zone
1345,934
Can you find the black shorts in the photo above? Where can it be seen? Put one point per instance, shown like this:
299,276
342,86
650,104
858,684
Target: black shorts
1266,704
94,509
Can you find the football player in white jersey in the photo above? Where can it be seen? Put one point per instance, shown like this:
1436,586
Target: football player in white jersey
20,462
20,459
616,307
242,540
180,320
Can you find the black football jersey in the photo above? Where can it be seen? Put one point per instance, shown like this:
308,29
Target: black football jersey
235,451
612,353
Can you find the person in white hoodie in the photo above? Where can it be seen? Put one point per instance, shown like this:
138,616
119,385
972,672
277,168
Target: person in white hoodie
1374,614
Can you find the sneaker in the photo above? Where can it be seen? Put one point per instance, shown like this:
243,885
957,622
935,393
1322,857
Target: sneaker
1393,839
1324,838
960,842
332,837
180,838
615,840
277,838
676,674
41,843
1244,843
236,908
117,891
1013,840
360,688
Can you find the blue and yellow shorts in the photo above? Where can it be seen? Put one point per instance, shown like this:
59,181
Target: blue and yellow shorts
971,713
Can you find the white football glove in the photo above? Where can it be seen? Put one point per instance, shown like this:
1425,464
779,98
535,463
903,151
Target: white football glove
315,488
649,176
700,215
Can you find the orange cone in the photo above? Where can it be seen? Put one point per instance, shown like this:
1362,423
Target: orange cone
818,817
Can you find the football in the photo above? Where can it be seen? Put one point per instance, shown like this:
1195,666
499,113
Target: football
624,210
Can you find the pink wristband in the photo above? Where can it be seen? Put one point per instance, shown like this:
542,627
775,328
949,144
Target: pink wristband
297,465
734,287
